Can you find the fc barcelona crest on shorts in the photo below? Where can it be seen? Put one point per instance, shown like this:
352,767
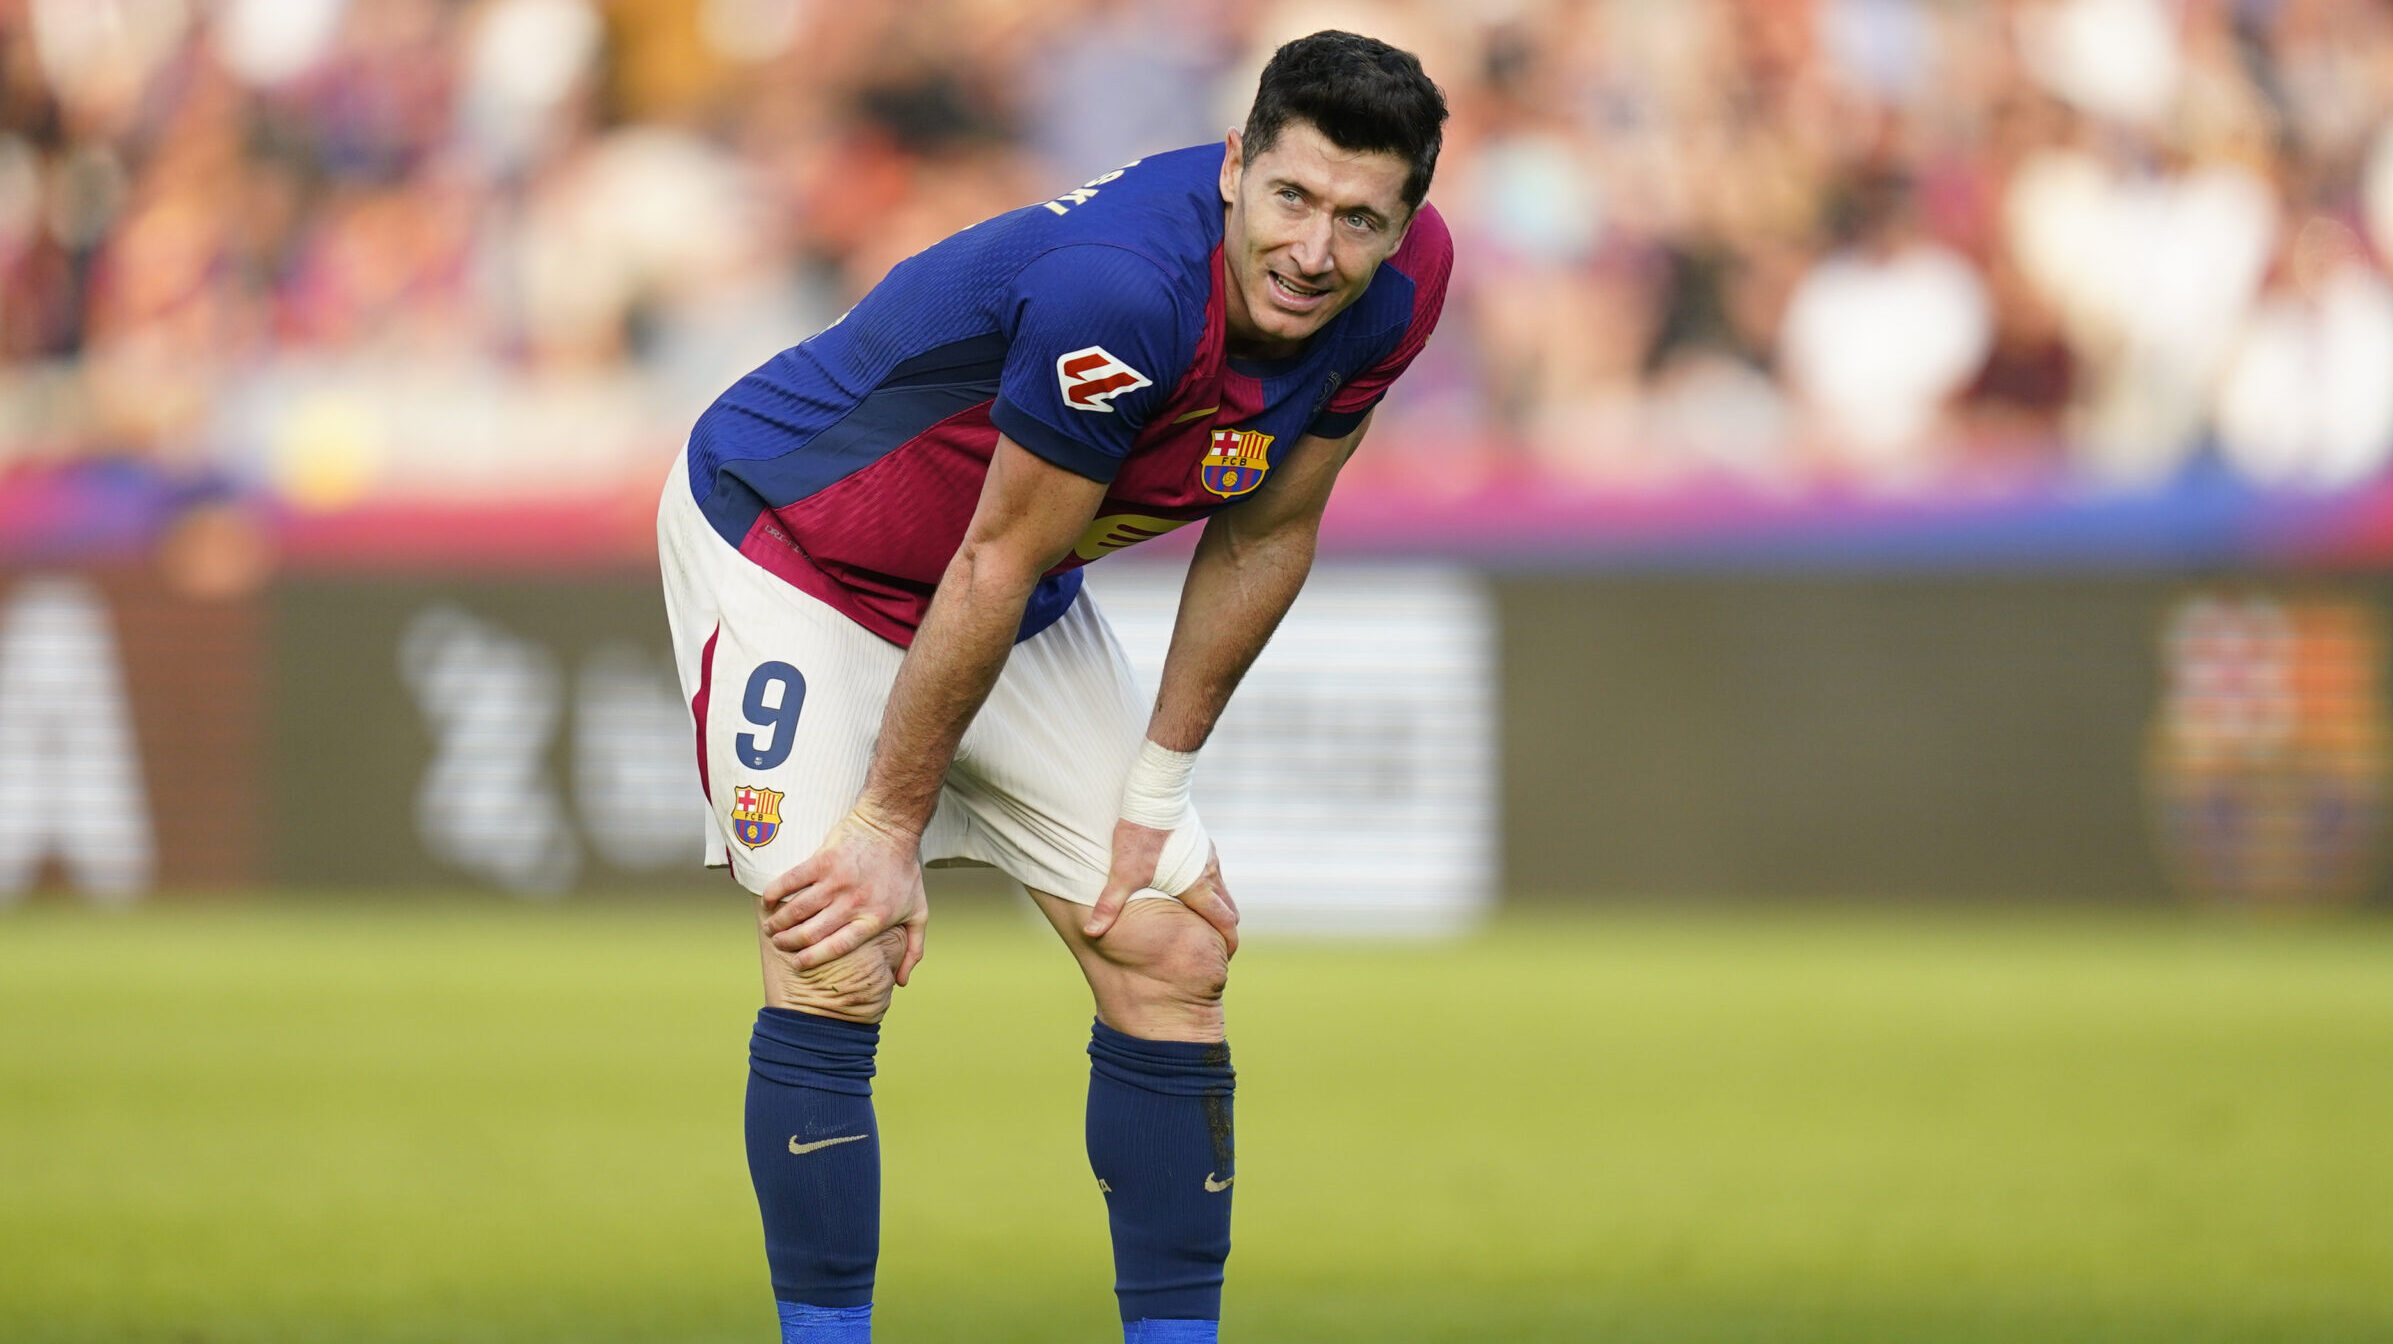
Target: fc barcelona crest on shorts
755,815
1236,463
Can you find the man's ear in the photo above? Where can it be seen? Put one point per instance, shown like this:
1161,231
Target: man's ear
1233,161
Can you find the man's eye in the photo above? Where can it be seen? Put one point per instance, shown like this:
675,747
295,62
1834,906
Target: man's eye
1361,223
1289,195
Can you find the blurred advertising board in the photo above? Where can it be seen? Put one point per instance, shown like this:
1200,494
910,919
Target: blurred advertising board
2013,736
526,736
1418,738
132,726
2266,759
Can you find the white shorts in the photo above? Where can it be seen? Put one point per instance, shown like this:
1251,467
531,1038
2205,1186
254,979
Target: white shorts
786,697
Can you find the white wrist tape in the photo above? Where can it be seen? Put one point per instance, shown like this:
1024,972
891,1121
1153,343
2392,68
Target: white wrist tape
1156,793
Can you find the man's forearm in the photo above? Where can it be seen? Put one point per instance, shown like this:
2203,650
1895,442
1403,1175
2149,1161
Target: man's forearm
947,673
1237,591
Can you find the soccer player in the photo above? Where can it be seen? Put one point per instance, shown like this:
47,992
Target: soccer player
871,558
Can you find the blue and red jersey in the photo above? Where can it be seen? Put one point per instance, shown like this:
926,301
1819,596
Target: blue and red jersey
1088,329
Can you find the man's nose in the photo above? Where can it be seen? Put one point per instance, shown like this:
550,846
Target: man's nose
1310,251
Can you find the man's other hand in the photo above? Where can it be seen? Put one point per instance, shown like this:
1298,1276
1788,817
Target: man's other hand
1137,851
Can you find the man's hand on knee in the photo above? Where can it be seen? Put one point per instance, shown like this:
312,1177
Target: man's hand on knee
1137,853
864,880
853,988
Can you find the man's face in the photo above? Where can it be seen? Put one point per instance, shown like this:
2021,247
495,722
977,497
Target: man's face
1308,225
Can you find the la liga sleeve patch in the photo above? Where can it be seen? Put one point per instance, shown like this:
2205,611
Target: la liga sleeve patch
1092,376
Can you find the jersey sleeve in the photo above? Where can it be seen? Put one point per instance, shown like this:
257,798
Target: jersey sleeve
1426,259
1097,346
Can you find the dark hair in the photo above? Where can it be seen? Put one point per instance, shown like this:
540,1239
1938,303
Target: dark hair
1365,95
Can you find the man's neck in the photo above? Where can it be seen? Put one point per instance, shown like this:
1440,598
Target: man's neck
1237,347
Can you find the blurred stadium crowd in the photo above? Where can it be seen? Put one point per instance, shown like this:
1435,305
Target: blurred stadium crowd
333,252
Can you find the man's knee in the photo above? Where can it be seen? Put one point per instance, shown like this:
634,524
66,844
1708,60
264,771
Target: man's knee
1171,949
853,988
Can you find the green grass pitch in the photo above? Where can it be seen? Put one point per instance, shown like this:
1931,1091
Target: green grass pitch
440,1121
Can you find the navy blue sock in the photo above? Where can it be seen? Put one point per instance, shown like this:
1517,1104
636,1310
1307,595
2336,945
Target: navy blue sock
814,1153
1159,1140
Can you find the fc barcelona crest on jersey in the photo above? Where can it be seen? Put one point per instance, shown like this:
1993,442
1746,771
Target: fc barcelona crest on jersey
755,815
1236,462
